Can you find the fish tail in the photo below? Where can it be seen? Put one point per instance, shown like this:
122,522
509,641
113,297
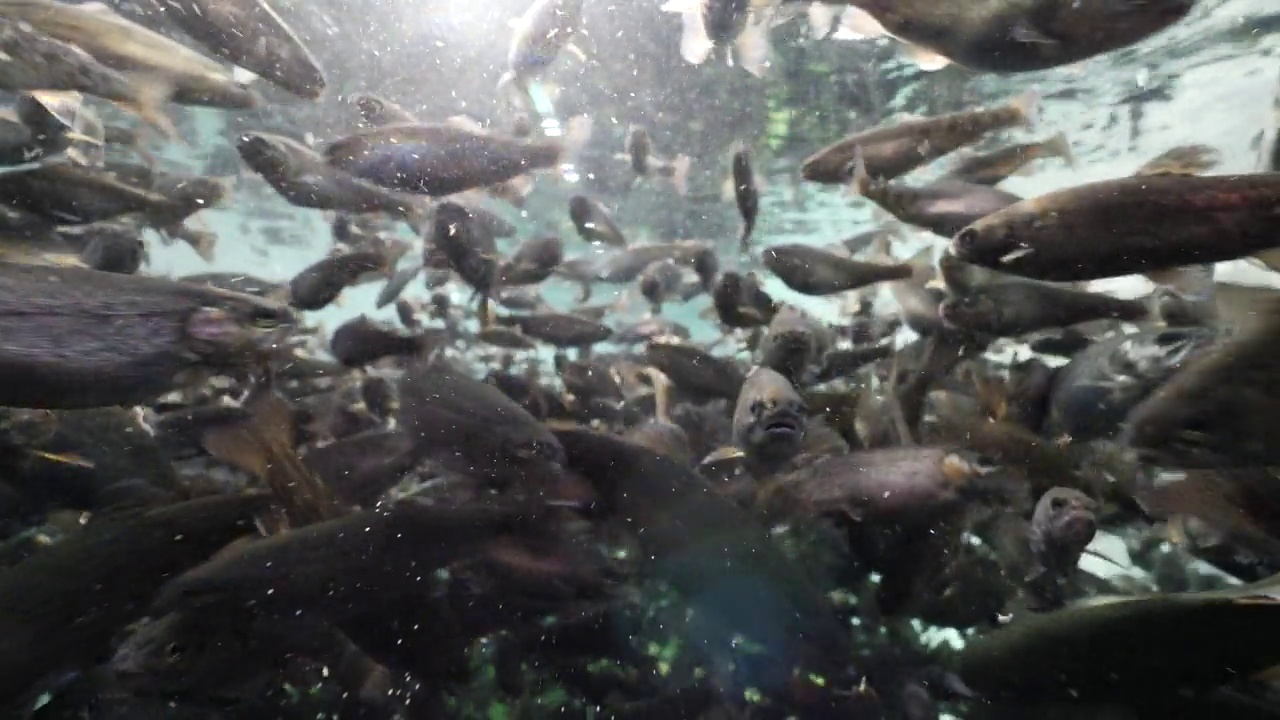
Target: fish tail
586,288
680,174
147,98
1059,146
1027,106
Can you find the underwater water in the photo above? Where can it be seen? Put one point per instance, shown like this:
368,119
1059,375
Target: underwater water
1022,468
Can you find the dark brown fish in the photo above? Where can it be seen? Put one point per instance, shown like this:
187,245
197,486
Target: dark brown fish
102,575
1014,307
639,149
993,168
1062,526
360,341
769,421
74,195
1010,37
1182,160
558,329
1130,225
944,207
594,223
505,337
659,282
472,253
794,344
361,467
321,283
249,34
1214,412
813,271
534,261
77,338
695,371
740,302
378,111
302,177
445,159
472,428
746,195
894,150
114,248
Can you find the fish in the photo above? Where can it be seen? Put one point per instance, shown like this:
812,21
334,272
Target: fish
695,371
740,302
593,222
63,123
534,261
746,195
125,339
378,111
444,159
639,152
546,28
1182,160
474,429
505,337
711,27
36,61
301,176
396,284
1063,524
1011,37
251,35
470,250
1212,412
320,283
184,75
794,344
1125,226
994,167
114,248
769,421
895,149
1015,307
812,271
558,329
944,207
1093,394
658,282
361,341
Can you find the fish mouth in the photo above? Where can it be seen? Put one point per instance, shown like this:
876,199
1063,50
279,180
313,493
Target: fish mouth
1078,526
781,426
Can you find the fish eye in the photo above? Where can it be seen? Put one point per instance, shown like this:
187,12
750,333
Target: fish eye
1058,504
174,650
265,320
966,240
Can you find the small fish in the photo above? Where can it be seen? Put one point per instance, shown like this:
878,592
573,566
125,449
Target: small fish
893,150
320,283
505,337
712,26
558,329
695,371
996,166
444,159
769,421
813,271
639,151
114,248
658,282
1129,225
545,28
740,302
944,207
471,252
534,261
1010,37
302,177
594,223
1182,160
251,35
746,195
794,344
1062,526
378,111
1016,307
473,428
396,284
361,341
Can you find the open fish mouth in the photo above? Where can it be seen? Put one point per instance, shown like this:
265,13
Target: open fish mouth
781,425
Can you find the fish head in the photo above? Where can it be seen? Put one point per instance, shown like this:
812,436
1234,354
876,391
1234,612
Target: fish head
989,242
232,327
1067,519
266,154
974,311
770,418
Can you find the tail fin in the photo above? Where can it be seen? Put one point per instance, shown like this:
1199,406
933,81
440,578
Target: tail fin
1060,146
1027,105
148,96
